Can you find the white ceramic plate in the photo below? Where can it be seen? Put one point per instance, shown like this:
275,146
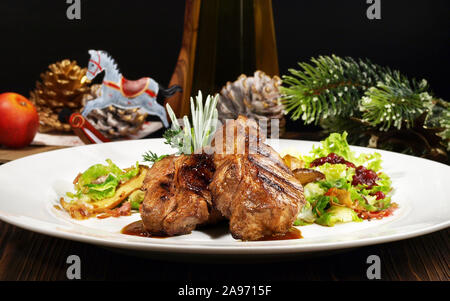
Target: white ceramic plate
30,187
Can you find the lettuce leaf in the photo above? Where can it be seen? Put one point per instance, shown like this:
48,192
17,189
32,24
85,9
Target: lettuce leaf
130,173
96,171
337,214
325,209
321,204
335,172
312,190
371,161
103,190
383,185
89,191
136,198
337,143
306,216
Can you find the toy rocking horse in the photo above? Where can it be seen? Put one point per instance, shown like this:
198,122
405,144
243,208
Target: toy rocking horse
123,93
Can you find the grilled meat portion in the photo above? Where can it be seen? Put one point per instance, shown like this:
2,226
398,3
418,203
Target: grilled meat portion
252,186
177,198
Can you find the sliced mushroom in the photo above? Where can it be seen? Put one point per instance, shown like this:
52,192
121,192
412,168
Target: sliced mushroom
306,175
293,162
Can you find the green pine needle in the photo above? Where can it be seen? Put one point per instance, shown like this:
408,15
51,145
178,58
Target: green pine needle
332,86
394,104
329,86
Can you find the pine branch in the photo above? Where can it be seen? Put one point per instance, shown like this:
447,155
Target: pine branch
439,117
330,86
377,106
334,86
396,102
445,124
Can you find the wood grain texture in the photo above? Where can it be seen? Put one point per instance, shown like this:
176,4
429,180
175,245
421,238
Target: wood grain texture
184,69
26,255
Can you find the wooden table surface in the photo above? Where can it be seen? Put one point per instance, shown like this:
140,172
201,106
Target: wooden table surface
25,255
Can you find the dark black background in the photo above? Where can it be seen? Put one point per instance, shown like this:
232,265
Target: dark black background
145,36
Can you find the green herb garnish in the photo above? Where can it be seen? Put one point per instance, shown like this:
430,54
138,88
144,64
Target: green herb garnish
152,157
195,133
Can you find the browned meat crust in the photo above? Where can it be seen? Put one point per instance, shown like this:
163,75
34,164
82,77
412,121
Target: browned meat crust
177,198
254,189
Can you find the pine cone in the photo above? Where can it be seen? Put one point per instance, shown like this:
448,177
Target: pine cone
63,86
114,122
256,97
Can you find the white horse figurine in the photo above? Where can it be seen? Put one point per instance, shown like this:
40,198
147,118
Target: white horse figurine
123,93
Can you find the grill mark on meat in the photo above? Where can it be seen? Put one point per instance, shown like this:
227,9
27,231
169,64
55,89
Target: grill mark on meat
271,171
255,190
264,151
177,199
271,183
165,186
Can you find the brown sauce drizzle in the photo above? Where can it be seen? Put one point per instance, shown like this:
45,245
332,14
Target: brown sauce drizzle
292,233
137,229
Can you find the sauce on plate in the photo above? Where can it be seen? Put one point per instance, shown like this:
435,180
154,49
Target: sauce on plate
137,229
292,233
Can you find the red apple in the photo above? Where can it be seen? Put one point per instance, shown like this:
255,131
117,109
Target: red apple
19,120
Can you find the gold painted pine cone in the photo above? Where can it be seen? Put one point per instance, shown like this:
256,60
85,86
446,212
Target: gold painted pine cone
62,86
256,97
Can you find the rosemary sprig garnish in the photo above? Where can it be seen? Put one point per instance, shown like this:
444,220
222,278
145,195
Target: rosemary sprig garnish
152,157
190,139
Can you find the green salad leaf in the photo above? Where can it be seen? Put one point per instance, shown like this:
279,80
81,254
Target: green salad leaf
338,214
96,171
136,198
108,177
337,143
306,216
131,173
337,198
335,172
102,190
312,190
